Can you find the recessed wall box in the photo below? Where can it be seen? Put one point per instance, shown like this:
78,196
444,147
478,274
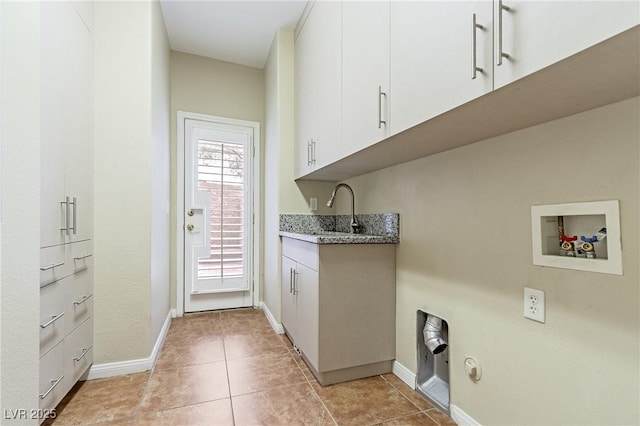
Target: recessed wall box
580,236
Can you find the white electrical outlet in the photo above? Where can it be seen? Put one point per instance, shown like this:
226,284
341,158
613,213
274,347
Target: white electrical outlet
534,304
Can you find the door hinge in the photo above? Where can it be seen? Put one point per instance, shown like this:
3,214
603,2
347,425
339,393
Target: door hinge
253,219
254,150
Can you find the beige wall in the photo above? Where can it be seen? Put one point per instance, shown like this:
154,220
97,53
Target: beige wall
282,194
130,122
465,255
160,170
213,87
122,235
20,207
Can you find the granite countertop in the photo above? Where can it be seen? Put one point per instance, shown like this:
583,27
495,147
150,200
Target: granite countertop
327,229
329,237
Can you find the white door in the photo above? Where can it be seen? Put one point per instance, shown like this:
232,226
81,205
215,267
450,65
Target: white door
218,216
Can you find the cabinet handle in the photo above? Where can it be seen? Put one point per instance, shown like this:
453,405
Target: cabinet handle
82,257
84,352
84,299
380,95
291,280
66,216
54,383
500,54
474,43
309,152
295,283
313,151
53,265
75,213
52,320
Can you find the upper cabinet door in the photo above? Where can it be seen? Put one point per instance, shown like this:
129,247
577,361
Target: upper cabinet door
79,134
55,83
435,48
317,88
536,34
66,120
365,74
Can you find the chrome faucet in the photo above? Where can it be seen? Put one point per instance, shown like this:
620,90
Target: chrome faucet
355,226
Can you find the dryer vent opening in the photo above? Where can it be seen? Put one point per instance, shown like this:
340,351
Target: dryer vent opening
433,337
432,378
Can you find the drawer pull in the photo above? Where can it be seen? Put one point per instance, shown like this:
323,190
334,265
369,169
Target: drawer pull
54,383
84,352
53,265
84,299
82,257
52,320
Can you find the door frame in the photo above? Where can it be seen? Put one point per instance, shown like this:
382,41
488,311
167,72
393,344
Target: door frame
256,199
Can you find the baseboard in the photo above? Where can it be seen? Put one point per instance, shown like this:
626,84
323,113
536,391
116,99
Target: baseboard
111,369
404,374
277,327
462,418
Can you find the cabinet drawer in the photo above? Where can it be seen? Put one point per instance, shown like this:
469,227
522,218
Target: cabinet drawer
53,265
51,388
80,255
301,251
79,301
52,314
78,352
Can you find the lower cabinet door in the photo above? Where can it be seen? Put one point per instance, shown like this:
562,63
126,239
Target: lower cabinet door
289,298
306,289
78,352
52,386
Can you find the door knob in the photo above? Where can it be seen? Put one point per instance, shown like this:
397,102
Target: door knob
190,227
190,212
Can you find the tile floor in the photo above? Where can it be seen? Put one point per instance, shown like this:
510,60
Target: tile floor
230,368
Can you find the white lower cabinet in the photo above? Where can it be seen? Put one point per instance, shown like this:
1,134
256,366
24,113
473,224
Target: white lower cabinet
338,307
66,322
78,353
300,307
51,388
53,315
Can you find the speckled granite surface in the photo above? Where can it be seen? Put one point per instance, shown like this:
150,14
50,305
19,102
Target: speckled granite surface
381,228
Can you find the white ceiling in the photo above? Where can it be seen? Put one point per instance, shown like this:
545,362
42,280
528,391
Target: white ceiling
234,31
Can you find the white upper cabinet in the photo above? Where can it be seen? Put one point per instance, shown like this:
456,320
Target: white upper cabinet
435,67
365,74
536,34
439,58
317,88
66,123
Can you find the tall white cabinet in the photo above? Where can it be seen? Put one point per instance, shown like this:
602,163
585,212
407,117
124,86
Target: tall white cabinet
66,253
